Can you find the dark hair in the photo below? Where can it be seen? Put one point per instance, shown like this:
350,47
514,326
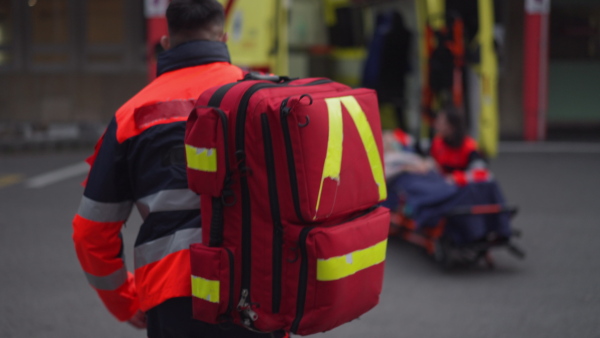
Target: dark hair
188,16
456,120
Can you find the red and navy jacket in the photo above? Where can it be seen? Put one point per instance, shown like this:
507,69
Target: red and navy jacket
464,164
140,161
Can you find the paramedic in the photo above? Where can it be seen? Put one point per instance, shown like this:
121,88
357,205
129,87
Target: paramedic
456,153
140,161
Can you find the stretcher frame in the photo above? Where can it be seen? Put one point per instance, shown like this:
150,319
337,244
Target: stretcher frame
447,254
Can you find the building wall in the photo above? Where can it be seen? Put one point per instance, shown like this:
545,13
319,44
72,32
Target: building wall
69,60
65,97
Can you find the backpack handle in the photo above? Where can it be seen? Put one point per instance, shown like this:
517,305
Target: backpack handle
266,77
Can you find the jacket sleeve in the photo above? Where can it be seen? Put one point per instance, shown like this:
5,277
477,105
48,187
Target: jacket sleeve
104,208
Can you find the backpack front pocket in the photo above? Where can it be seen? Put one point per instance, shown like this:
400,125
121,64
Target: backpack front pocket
341,273
334,153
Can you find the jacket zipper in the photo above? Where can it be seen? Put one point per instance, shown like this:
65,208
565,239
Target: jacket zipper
275,213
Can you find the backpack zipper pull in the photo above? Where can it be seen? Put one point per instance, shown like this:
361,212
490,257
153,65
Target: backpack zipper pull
243,304
245,308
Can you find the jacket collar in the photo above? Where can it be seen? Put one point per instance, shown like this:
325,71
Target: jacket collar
193,53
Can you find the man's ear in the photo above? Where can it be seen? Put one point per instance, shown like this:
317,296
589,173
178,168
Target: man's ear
165,42
224,37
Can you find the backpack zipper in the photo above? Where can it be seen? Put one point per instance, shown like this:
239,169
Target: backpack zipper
284,112
303,280
275,213
245,193
218,203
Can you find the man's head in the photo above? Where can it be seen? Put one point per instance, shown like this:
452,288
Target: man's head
190,20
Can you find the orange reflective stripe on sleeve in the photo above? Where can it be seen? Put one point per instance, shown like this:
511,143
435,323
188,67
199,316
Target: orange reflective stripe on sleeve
164,279
98,246
162,266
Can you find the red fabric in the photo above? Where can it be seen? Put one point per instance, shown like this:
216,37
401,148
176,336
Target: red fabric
535,73
402,137
286,137
147,116
98,246
211,264
165,279
123,302
447,156
177,85
459,178
327,302
480,175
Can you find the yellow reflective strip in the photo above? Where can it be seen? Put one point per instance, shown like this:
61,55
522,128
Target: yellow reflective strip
201,159
368,140
343,266
333,159
205,289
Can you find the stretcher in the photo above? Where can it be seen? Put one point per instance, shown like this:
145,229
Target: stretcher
439,244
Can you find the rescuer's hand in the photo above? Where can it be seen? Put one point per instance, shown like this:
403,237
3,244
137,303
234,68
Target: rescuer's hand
138,320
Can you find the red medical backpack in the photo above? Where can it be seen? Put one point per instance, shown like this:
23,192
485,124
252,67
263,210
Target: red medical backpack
290,175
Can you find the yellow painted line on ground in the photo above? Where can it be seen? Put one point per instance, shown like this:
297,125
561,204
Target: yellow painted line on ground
11,179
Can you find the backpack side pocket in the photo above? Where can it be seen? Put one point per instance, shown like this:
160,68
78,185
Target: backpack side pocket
212,283
206,140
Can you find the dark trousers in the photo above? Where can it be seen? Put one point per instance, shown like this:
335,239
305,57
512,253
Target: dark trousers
173,319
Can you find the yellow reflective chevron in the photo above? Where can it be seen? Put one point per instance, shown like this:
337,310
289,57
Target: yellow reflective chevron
205,289
333,159
343,266
202,159
368,140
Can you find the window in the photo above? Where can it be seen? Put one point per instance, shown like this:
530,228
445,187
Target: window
50,34
72,35
105,38
575,32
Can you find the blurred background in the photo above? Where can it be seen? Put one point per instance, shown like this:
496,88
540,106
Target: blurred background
66,65
525,72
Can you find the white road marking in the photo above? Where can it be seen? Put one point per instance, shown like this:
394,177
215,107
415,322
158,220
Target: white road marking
57,175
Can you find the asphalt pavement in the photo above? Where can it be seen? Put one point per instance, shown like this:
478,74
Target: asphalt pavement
554,292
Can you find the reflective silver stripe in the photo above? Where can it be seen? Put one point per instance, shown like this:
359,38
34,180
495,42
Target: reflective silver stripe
159,248
477,164
104,212
109,282
168,200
